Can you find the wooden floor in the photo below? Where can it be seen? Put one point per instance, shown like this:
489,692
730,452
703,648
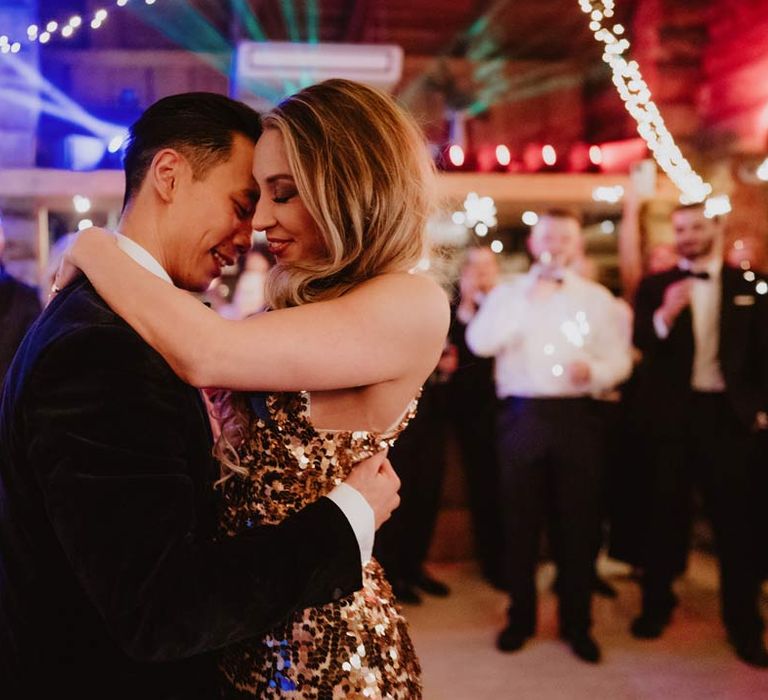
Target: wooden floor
454,638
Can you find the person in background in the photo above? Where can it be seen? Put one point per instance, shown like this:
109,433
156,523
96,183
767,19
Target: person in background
19,307
472,410
402,544
609,402
702,393
557,345
628,487
248,295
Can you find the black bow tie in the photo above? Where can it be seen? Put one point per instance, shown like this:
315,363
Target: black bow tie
697,275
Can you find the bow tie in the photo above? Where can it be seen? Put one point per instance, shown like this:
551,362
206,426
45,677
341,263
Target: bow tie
697,275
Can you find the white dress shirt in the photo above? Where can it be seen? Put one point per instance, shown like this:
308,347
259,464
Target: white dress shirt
349,500
535,338
142,256
706,298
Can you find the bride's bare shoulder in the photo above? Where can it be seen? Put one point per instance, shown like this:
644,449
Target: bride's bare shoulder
413,303
407,287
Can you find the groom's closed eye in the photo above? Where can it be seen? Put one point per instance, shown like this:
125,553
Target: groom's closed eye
244,211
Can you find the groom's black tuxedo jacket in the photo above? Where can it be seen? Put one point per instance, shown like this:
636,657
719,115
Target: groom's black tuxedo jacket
112,581
663,386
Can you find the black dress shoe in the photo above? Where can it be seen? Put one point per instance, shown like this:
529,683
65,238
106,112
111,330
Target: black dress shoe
584,647
751,650
432,586
650,625
406,593
511,638
603,588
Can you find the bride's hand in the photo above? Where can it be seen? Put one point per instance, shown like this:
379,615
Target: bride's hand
83,245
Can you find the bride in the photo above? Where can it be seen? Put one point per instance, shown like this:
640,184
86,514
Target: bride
329,376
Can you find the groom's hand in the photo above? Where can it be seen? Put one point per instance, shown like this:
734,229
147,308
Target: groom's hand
376,480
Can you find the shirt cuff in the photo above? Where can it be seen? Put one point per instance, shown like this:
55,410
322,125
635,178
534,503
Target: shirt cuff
659,326
360,515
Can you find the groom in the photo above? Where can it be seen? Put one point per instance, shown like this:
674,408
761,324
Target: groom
114,582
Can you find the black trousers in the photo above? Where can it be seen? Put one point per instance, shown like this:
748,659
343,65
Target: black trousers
711,452
551,454
418,457
474,423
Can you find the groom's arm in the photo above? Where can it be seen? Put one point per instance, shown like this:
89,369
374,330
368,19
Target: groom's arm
109,436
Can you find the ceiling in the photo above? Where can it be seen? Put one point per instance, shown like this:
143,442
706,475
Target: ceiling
513,29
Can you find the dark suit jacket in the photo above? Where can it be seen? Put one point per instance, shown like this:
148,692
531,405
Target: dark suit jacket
19,307
473,386
664,374
112,581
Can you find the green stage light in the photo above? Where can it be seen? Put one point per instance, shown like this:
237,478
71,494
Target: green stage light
245,14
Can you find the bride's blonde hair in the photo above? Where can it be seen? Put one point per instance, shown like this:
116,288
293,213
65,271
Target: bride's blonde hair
363,171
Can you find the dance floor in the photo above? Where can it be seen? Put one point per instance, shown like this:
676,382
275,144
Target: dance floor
455,637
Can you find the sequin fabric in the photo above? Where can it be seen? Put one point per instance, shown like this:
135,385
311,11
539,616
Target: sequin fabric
357,647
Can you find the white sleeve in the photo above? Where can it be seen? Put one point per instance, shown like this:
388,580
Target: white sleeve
360,515
611,361
662,331
496,324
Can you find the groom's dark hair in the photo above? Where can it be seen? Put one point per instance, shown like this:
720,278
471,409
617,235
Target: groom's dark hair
200,125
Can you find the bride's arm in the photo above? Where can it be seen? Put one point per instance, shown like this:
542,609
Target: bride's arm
370,335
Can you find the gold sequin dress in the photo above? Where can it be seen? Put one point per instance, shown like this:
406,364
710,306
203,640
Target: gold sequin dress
357,647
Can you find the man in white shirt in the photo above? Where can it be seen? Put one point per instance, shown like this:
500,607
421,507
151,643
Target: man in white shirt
702,395
558,343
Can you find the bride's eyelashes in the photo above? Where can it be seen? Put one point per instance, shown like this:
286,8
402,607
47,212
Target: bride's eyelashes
283,196
280,196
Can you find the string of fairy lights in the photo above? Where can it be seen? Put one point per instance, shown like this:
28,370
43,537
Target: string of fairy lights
627,78
43,32
636,96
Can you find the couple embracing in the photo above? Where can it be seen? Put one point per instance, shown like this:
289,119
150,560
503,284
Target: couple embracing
139,557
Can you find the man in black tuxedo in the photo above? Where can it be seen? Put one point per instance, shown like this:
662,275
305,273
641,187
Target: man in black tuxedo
473,407
19,307
113,580
702,394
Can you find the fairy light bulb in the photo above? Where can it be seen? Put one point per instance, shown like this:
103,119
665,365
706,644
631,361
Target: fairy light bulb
45,31
637,99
